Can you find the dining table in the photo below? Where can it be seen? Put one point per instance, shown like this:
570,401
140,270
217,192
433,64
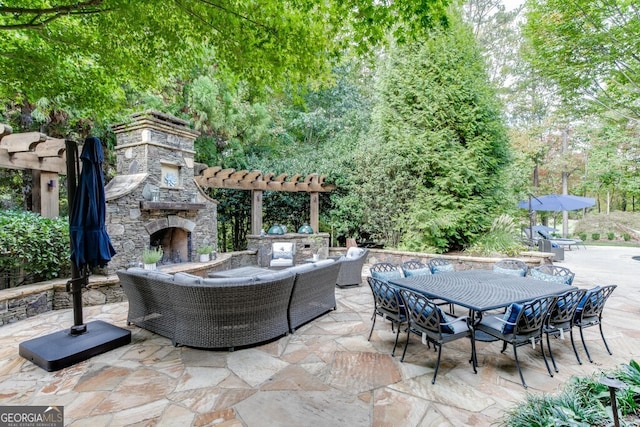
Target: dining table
480,291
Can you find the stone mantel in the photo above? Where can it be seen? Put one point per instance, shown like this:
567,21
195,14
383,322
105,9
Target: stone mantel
175,206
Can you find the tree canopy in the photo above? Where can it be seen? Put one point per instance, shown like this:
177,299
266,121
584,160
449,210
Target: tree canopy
90,55
589,50
431,170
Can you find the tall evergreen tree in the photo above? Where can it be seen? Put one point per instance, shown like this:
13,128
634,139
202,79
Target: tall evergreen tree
432,167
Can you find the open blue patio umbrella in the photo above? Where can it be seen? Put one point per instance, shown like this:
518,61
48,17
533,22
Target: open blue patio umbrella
556,203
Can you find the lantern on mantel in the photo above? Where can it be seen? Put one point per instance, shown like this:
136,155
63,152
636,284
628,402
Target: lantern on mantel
305,229
276,229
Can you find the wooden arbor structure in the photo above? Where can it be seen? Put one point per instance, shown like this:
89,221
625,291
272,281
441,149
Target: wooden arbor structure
257,182
45,156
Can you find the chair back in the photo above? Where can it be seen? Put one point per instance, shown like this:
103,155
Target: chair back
552,273
440,265
593,301
565,306
385,271
423,314
415,268
386,297
514,267
533,315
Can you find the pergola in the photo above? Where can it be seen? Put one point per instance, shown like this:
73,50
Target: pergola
257,182
45,156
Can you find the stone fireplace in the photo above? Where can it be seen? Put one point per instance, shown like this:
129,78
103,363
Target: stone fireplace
153,201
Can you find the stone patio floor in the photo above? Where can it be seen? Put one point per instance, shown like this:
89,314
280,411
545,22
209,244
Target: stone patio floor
325,374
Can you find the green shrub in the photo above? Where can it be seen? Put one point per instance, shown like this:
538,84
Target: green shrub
611,236
581,402
595,236
626,237
38,247
501,239
583,236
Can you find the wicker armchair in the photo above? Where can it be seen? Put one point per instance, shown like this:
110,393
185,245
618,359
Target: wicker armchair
350,273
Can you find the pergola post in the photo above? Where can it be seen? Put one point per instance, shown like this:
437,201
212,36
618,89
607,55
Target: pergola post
314,211
256,211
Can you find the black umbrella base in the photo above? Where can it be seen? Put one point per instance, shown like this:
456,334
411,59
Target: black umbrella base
61,349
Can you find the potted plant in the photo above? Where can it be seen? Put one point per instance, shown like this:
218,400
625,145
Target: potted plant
204,252
150,257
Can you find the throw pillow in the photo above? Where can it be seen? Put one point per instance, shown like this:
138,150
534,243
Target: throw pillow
442,268
589,294
510,317
417,272
563,280
354,252
510,271
386,275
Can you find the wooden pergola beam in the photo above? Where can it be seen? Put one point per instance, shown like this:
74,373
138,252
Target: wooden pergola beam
257,183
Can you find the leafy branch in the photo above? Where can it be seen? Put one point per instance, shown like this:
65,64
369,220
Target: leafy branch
39,17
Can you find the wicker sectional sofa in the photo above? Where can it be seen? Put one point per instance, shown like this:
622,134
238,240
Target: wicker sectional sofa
228,312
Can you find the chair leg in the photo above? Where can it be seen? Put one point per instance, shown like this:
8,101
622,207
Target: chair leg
515,355
474,355
504,346
573,344
553,360
545,357
373,324
395,344
433,381
584,344
406,344
605,341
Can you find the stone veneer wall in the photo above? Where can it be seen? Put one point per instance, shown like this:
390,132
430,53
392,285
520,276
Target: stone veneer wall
306,245
151,141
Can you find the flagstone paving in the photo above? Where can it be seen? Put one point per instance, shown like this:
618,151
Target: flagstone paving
325,374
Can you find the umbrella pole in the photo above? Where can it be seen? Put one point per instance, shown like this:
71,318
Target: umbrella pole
78,280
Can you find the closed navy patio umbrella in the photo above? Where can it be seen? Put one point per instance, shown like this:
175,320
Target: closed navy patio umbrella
90,247
90,243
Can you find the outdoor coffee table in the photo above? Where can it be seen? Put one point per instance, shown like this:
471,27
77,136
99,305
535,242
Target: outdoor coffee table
480,290
241,272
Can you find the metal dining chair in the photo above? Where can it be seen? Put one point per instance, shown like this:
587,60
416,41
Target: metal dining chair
385,271
589,313
387,304
521,325
561,320
514,267
440,265
415,268
429,322
418,268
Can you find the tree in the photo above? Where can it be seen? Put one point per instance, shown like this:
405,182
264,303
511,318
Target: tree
89,55
432,168
589,50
